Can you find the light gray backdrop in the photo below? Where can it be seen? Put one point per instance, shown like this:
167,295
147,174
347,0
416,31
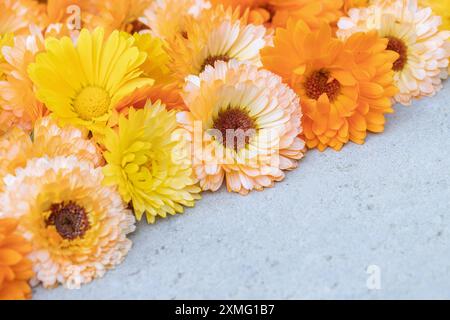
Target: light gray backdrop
385,204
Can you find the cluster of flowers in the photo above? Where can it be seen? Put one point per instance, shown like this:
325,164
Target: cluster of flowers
115,109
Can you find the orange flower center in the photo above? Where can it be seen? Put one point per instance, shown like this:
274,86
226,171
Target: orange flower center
235,123
70,220
319,82
210,61
400,47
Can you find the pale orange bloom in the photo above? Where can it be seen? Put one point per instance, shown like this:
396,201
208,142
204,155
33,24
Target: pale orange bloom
19,105
17,15
263,117
77,227
15,268
345,87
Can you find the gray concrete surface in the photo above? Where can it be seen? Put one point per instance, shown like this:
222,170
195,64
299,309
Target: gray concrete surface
386,203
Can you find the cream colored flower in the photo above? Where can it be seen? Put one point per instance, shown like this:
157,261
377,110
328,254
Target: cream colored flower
414,34
17,15
77,227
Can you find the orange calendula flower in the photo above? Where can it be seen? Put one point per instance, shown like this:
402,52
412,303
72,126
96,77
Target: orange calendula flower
345,87
276,13
15,268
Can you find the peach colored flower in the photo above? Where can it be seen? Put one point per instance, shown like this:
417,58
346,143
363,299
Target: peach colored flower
78,228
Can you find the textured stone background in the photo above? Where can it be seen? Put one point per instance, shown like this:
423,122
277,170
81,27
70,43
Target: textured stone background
386,203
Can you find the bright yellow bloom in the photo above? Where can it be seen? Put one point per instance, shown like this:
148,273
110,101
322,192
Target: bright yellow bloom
100,73
77,227
15,268
150,164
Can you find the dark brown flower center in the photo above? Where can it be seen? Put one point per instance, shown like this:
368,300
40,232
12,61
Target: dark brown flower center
210,61
137,26
42,1
319,83
236,127
400,47
69,219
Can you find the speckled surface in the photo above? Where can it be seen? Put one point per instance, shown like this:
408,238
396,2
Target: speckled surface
386,203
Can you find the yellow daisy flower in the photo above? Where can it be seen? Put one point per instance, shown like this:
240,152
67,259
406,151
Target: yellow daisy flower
100,73
149,164
77,227
413,33
220,35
